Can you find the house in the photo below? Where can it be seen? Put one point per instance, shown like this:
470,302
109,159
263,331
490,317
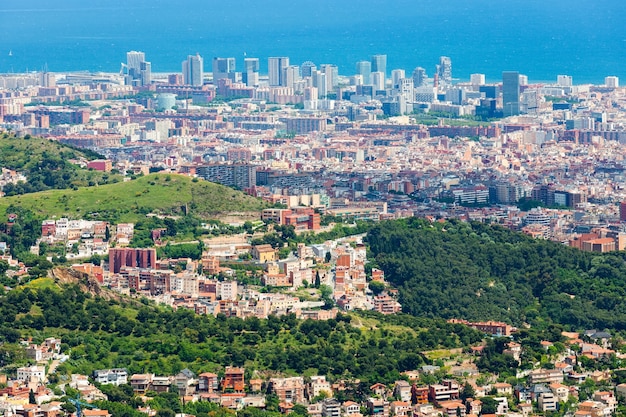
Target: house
402,390
546,376
31,373
419,395
525,408
350,408
264,253
208,382
185,382
161,384
503,405
453,408
141,383
400,408
379,389
233,379
331,408
115,376
608,399
620,390
561,391
547,402
378,407
503,388
288,390
447,390
318,385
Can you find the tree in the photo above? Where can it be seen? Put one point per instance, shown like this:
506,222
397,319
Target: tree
468,391
31,397
317,279
489,406
328,257
377,287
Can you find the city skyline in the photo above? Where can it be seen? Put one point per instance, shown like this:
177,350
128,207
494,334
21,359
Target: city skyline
476,36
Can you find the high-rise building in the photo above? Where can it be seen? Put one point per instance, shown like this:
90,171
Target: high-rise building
275,67
193,70
133,60
419,77
321,83
222,68
564,80
611,81
307,68
396,76
379,64
290,76
138,70
332,75
378,80
477,79
510,93
622,211
364,69
250,75
444,71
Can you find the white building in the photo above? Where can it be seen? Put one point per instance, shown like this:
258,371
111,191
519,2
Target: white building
31,373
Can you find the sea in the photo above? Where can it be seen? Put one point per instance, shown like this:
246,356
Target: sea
539,38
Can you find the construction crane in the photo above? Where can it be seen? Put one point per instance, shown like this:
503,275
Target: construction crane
79,404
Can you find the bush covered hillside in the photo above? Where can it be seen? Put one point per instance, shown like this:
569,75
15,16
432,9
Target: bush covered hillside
45,163
483,272
132,200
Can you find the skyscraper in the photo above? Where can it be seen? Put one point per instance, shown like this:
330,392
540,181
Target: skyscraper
222,68
364,69
138,70
307,68
193,70
275,67
290,75
510,93
419,77
250,75
379,64
332,75
444,71
396,76
378,80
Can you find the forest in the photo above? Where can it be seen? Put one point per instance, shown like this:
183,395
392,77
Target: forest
479,271
143,337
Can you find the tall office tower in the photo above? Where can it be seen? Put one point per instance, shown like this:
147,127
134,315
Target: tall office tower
611,81
379,64
444,71
145,73
138,70
407,95
396,76
510,93
364,69
419,77
564,80
193,70
133,61
378,80
222,68
250,75
307,68
321,83
477,79
290,76
332,75
523,80
275,67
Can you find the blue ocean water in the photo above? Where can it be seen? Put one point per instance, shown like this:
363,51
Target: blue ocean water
539,38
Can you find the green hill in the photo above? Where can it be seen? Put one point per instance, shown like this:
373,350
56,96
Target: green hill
482,272
130,201
45,163
108,333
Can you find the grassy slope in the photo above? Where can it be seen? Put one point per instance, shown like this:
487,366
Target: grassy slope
130,201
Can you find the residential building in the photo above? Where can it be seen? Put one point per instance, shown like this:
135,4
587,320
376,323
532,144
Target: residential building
141,383
233,379
331,408
115,376
547,401
193,70
290,390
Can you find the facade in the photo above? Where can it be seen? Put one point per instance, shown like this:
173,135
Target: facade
364,69
131,257
379,64
275,68
223,68
510,93
115,376
232,175
193,70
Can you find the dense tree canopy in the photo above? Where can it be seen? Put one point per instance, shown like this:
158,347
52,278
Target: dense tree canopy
485,272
